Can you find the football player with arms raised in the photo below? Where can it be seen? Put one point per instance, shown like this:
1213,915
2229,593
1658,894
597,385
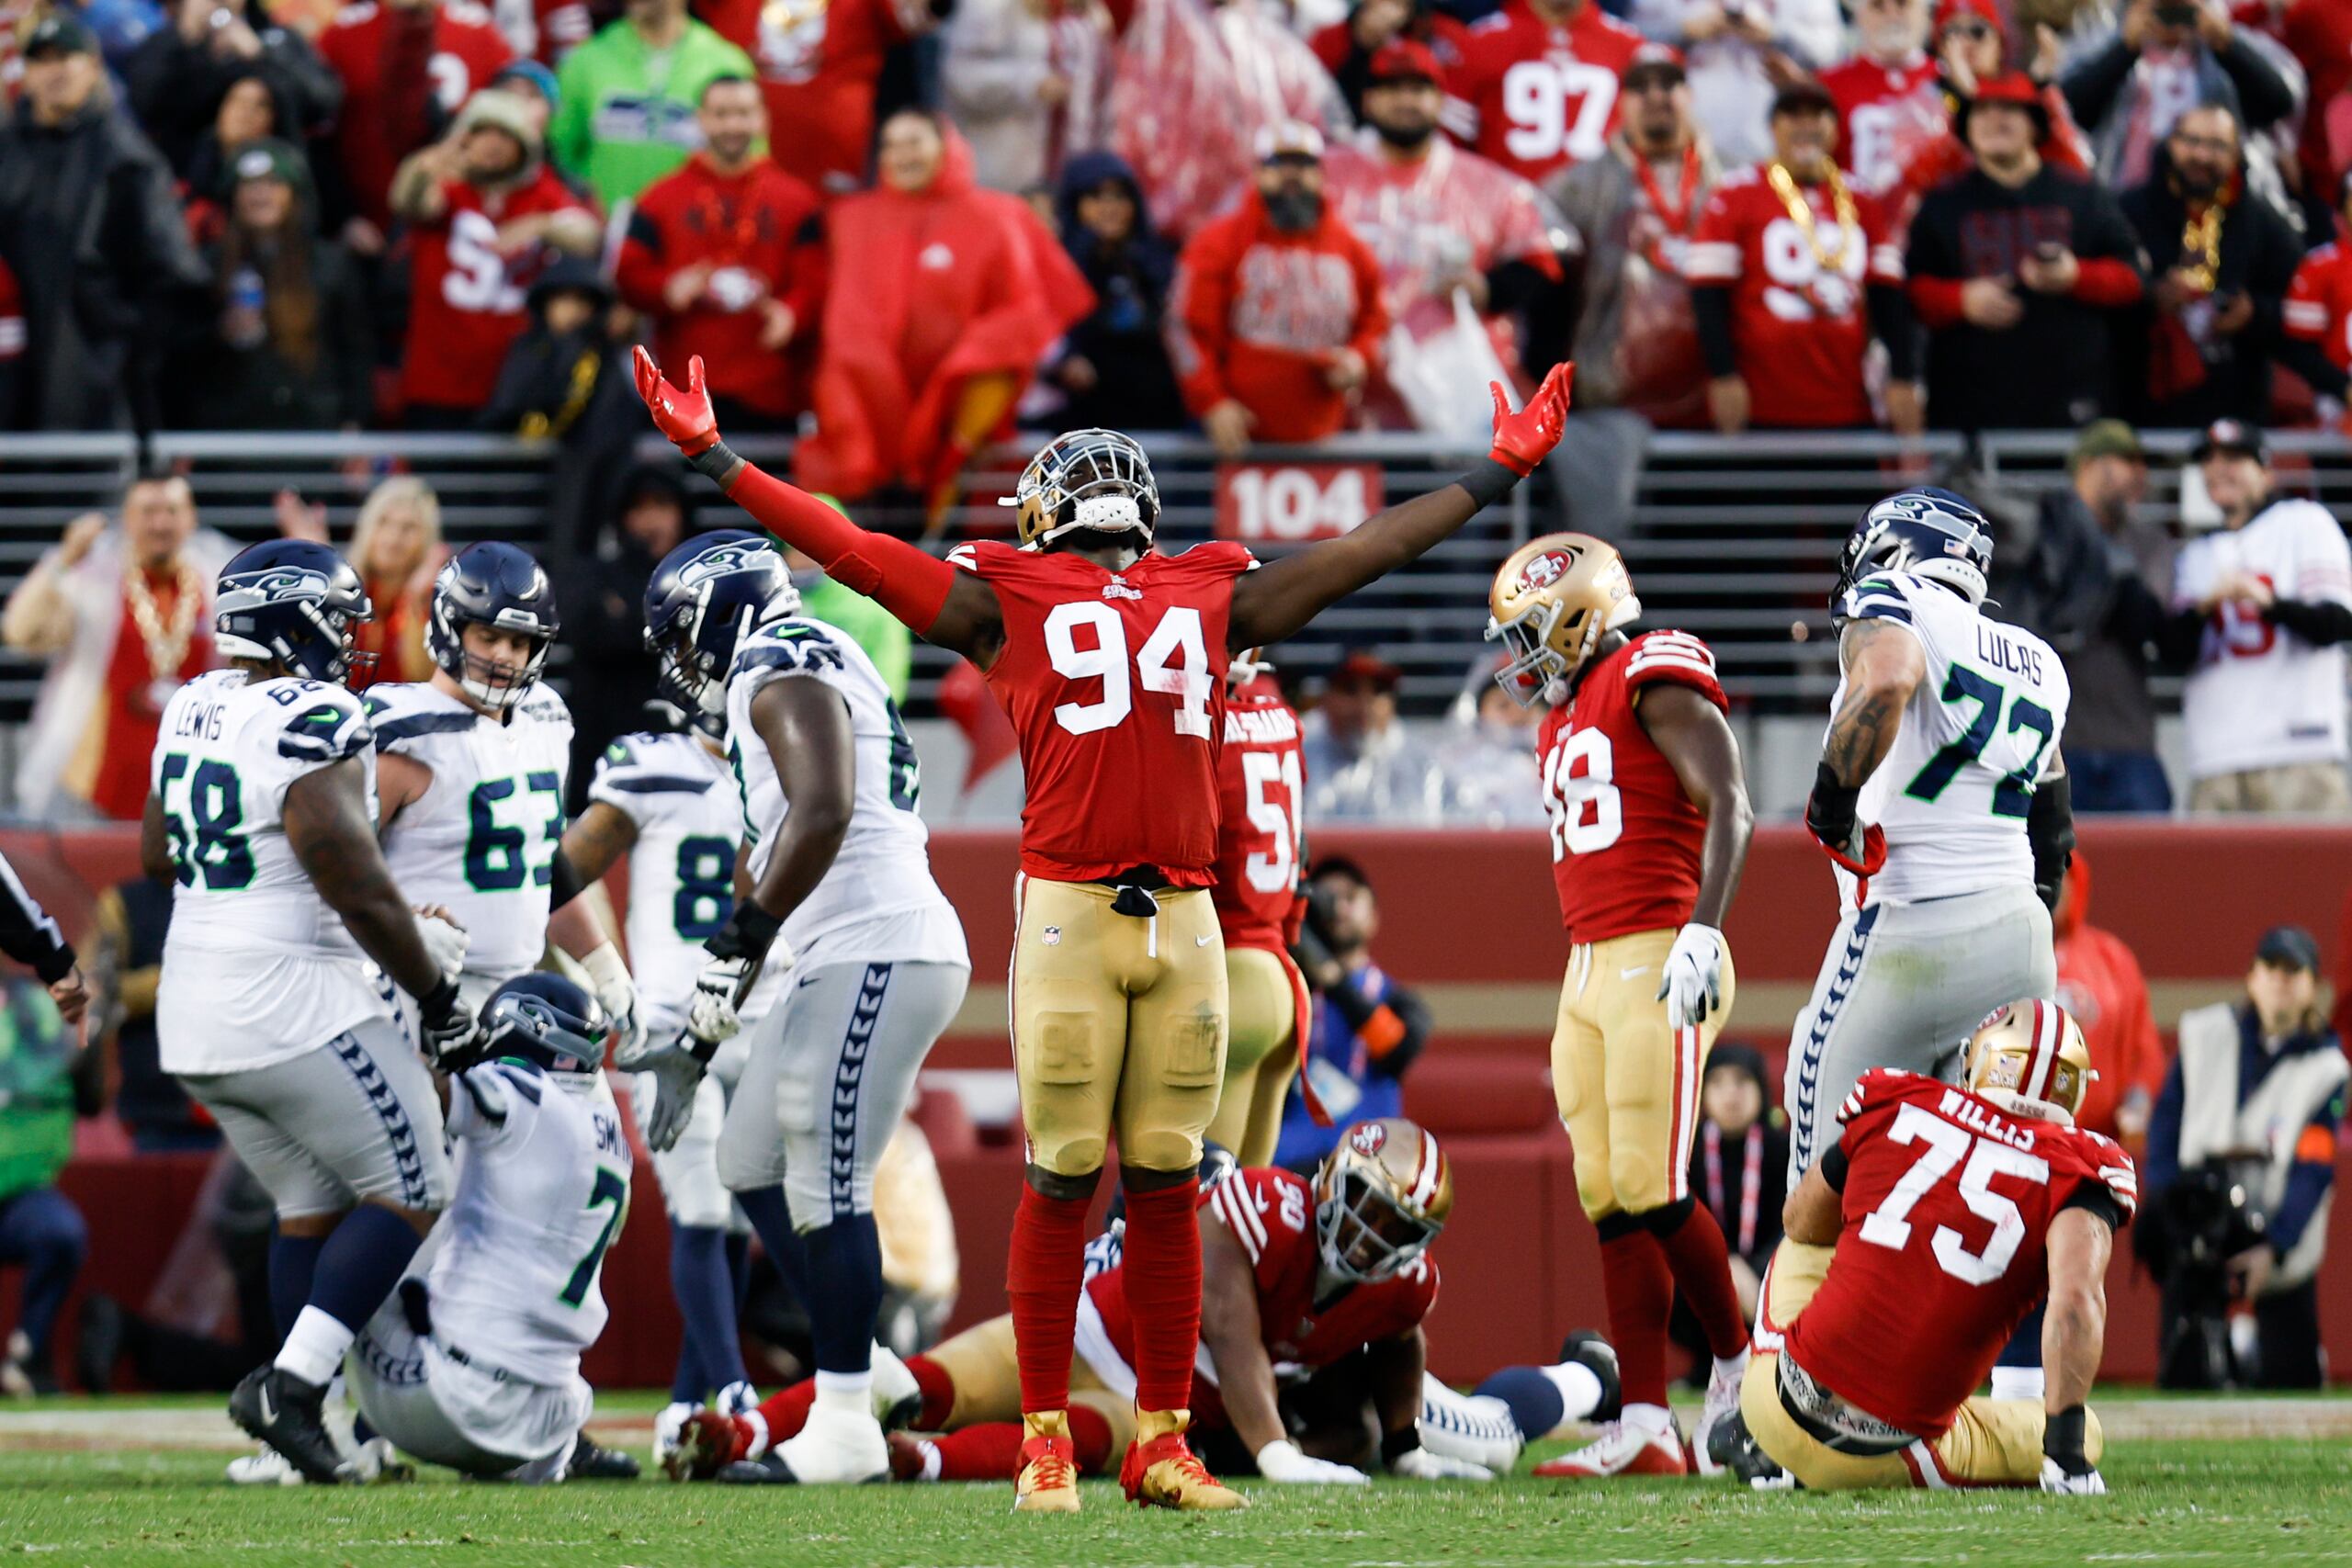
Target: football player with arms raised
1952,1214
262,812
1650,823
1107,657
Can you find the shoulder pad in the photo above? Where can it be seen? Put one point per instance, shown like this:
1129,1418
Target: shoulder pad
324,724
545,704
1673,655
404,711
788,646
1886,597
651,764
1879,1086
985,558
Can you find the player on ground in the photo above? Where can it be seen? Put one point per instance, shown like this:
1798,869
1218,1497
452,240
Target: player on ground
1492,1425
1953,1213
842,896
262,812
1107,656
471,770
665,800
475,1364
1650,824
1942,797
1261,844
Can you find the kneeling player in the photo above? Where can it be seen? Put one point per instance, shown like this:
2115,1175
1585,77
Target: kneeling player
476,1365
1328,1281
1965,1206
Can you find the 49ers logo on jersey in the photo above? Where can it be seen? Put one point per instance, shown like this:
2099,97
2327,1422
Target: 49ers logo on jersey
1368,1139
1542,572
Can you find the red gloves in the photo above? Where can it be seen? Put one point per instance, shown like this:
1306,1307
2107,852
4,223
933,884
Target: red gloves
685,417
1872,859
1522,439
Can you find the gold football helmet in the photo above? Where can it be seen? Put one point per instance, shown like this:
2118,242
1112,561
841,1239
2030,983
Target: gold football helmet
2034,1050
1085,478
1381,1196
1551,603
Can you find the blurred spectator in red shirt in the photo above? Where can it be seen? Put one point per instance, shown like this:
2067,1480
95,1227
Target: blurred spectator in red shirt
2316,320
1791,276
558,27
485,214
2319,34
407,66
1027,82
2099,982
1346,48
1890,95
820,61
1538,84
1198,80
1113,370
1438,218
727,256
1277,318
1970,52
949,297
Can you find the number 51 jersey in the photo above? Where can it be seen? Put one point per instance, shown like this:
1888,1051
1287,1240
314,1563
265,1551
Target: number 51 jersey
1626,838
257,969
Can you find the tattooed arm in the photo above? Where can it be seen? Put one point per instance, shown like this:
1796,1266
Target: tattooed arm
1884,665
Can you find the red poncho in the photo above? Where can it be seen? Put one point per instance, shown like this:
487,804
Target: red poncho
930,288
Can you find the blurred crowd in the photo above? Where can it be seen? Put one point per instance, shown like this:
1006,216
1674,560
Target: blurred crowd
1272,220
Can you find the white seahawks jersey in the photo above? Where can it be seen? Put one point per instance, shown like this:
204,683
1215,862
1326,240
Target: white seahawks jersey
257,969
682,869
2261,696
482,838
1979,733
879,898
542,1190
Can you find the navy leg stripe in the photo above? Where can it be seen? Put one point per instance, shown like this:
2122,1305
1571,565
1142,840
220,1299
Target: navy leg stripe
389,1111
849,1077
1816,1041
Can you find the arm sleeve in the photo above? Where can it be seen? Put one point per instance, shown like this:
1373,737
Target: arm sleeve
2322,622
904,580
2094,1199
28,934
1833,1167
1891,321
1710,309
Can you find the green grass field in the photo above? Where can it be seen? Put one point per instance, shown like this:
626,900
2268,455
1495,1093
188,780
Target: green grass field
2220,1499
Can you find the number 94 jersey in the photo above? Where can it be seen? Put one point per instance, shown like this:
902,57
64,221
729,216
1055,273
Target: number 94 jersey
1980,732
1626,838
1943,1242
1115,681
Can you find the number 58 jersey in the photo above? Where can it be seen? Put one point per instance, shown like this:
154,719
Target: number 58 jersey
257,969
1626,838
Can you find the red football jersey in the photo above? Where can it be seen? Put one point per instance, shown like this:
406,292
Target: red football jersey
367,46
1262,803
1887,114
1114,682
1943,1248
1534,97
2319,303
1624,836
1271,1215
465,299
1798,321
818,63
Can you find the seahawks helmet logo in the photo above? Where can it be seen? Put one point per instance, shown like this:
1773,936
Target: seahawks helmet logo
285,583
1547,569
723,561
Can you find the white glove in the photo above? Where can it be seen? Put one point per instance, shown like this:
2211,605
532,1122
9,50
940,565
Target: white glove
748,945
1281,1460
616,994
2055,1479
1420,1464
1692,985
445,939
711,1015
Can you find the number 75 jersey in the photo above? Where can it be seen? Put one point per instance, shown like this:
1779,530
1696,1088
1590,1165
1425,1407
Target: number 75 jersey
1978,735
1626,838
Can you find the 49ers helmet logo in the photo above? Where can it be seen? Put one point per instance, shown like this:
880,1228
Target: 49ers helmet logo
1542,572
1368,1138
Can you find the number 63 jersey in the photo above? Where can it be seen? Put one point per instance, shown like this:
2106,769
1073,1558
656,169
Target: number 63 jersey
1942,1249
1980,732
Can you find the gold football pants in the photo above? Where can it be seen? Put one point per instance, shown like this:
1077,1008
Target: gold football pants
1261,1053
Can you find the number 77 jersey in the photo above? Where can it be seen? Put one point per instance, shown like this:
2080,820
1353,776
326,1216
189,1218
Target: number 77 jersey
1115,684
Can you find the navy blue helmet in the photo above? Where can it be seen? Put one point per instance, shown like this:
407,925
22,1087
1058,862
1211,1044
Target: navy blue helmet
548,1020
703,598
499,586
295,603
1926,530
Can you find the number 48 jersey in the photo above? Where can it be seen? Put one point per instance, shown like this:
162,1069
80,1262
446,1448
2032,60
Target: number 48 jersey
1943,1244
1979,734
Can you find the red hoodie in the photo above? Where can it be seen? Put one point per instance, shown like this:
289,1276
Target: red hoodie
1258,315
950,282
2099,982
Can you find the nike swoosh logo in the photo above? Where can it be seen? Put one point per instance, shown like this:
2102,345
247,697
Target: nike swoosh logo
1636,969
1200,941
269,1408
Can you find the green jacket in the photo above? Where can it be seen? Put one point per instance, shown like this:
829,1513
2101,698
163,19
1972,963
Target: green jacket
36,1089
626,113
882,635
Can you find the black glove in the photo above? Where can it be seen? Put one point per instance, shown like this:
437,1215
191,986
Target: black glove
454,1038
749,932
2066,1470
1832,809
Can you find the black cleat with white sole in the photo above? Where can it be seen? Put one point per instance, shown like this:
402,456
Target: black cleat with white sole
1731,1446
768,1470
1595,1354
591,1460
290,1415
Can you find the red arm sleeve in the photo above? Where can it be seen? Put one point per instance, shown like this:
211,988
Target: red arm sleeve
2107,282
893,573
1937,301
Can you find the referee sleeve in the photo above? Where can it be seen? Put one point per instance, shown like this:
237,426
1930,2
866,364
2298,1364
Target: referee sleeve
28,934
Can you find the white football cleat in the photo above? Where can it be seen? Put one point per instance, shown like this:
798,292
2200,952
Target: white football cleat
836,1448
1722,1404
267,1468
897,1398
377,1460
1623,1449
667,1425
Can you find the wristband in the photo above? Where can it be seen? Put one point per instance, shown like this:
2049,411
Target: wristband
55,964
1396,1445
750,932
439,1002
715,462
701,1050
1488,482
1829,795
2062,1436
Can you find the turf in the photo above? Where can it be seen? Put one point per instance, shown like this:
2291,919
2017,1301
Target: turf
2212,1500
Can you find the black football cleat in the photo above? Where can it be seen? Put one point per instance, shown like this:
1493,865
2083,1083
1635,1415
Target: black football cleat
1731,1447
768,1470
291,1416
1589,1350
591,1460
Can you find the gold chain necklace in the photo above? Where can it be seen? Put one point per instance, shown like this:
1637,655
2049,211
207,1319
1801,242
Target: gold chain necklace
166,645
2202,238
1784,185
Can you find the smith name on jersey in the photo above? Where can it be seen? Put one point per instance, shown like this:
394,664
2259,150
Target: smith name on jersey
688,818
482,840
1979,734
257,969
